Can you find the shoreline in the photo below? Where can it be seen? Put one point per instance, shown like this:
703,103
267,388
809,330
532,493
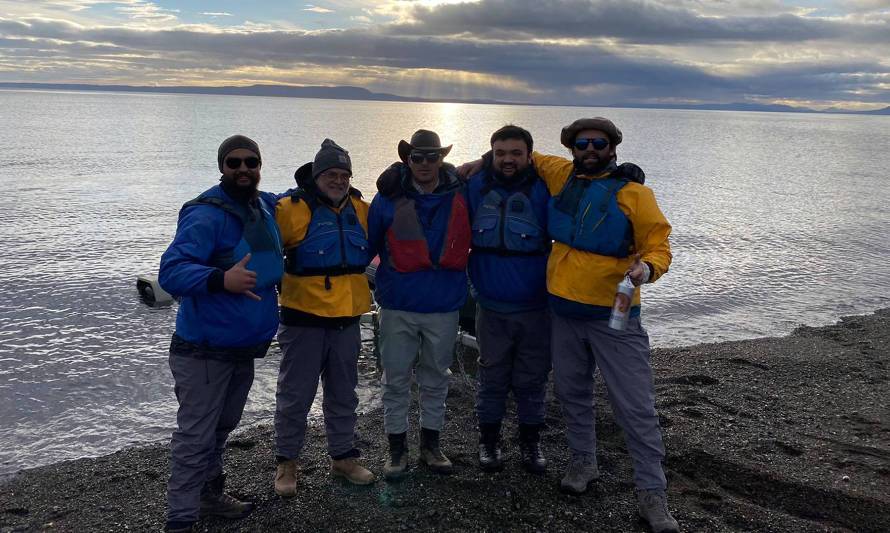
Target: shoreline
785,434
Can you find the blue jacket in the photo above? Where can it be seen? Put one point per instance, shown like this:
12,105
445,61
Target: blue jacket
514,280
208,314
424,291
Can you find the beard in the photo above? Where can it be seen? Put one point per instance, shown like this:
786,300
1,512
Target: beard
517,177
239,191
583,166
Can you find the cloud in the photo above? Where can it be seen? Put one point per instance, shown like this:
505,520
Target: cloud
635,21
569,52
216,14
317,9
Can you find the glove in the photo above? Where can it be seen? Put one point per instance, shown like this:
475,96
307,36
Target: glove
630,172
390,181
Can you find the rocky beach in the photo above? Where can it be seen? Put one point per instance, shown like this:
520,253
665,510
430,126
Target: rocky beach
773,434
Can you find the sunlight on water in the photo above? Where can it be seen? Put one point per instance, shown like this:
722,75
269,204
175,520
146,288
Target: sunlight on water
779,220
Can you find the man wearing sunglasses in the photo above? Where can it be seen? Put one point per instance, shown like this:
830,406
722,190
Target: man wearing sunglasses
604,228
508,266
323,295
224,262
419,225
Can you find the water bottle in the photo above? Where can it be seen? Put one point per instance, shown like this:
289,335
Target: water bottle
621,308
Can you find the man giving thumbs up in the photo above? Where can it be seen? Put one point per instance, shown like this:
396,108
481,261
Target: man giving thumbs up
224,263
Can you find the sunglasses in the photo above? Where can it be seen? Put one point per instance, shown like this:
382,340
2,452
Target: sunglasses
235,162
598,144
429,157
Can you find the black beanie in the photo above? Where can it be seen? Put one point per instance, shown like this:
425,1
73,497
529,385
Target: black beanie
330,156
233,143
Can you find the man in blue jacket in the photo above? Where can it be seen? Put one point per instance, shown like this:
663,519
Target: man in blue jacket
224,262
508,272
419,225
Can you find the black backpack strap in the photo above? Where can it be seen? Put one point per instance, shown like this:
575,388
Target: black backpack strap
218,203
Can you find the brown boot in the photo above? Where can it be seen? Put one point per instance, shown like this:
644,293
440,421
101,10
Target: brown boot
350,469
286,478
430,453
397,462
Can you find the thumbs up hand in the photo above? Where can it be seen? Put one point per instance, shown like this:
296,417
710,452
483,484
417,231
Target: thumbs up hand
638,271
240,280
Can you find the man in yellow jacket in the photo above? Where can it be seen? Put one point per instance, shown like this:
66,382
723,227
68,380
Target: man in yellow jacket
604,228
324,291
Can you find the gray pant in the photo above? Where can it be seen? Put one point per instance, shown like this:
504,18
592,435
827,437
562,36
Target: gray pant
514,355
310,353
579,347
427,341
211,396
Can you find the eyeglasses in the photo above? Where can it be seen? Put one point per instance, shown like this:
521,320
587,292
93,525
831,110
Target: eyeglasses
235,162
429,157
598,143
334,176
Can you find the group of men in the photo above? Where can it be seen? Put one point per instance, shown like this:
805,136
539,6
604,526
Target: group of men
543,242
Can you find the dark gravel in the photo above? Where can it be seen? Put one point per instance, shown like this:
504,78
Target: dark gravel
780,434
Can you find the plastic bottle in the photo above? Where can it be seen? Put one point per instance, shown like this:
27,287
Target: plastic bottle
621,308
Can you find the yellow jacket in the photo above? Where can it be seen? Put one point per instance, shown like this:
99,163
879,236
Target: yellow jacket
348,296
589,278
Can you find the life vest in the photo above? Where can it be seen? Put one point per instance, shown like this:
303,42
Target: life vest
335,244
585,215
259,237
507,224
406,243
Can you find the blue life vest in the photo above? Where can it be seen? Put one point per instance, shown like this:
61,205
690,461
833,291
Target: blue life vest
335,244
585,215
259,237
506,224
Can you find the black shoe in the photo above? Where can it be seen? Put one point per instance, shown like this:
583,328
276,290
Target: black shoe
490,457
177,526
533,459
215,502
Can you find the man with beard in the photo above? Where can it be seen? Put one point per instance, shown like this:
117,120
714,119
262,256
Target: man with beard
508,263
604,228
323,295
224,262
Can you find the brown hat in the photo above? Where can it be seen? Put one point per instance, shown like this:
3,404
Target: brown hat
424,140
233,143
567,137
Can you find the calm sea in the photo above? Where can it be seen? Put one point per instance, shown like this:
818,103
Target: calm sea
779,220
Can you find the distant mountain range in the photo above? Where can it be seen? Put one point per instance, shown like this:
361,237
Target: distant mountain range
358,93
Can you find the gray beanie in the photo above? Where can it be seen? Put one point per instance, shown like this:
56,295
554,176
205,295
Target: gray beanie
233,143
331,155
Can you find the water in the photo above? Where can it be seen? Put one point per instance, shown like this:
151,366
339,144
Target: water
779,220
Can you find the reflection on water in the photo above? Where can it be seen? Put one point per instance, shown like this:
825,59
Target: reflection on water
779,220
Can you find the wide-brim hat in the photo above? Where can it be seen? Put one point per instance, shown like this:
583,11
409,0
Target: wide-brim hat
567,136
425,141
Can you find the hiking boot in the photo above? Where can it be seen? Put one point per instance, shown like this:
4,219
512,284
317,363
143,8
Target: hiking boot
533,459
286,478
350,469
215,502
430,453
179,527
582,470
490,457
653,509
397,462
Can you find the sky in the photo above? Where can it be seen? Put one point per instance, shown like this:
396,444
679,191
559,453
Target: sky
815,54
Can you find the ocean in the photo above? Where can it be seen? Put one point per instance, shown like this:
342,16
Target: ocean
779,220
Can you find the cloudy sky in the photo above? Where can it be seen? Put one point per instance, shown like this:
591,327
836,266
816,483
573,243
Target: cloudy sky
595,52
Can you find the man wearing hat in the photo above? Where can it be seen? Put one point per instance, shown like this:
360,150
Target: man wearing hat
224,262
420,226
323,295
604,227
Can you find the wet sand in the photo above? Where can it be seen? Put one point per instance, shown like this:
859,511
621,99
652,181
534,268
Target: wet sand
774,434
